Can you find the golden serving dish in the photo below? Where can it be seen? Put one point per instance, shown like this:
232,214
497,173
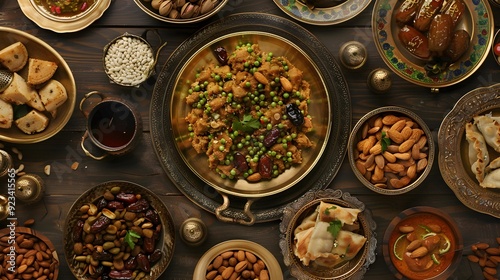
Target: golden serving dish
329,107
63,24
477,20
453,150
39,49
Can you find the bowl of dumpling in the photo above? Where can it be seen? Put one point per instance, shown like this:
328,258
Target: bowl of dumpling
469,150
327,234
391,150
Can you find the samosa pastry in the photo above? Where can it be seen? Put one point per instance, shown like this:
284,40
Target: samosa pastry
490,128
329,212
346,247
478,152
491,180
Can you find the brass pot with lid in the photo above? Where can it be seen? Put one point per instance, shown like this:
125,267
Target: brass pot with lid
29,188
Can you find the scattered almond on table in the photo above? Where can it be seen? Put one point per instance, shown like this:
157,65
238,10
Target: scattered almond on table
488,258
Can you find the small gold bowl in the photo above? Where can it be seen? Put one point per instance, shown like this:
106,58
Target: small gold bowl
146,6
224,248
395,165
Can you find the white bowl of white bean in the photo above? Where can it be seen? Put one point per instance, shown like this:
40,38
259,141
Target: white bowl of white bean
242,259
391,150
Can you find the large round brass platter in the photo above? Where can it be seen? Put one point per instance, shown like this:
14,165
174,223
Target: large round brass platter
330,103
453,157
477,20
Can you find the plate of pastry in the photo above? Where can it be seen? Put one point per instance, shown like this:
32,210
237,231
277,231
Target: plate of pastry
469,150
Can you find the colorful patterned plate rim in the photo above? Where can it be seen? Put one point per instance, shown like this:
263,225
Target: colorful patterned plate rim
477,20
322,16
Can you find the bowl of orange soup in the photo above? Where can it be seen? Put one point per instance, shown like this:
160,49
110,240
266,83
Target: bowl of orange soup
422,243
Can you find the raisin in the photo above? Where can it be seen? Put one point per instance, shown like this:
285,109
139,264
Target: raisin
294,114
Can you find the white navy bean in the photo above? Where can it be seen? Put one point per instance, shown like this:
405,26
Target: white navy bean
128,61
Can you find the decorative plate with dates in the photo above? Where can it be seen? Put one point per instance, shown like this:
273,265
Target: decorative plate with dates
477,20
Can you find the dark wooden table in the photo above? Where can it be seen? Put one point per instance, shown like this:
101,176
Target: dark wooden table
83,52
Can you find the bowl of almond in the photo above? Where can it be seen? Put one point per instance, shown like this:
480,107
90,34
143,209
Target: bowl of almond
37,89
391,150
238,259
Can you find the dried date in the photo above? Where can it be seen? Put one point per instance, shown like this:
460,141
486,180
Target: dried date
148,245
152,216
143,263
271,137
77,231
155,256
127,198
240,162
265,167
113,205
221,55
131,263
138,206
100,224
120,274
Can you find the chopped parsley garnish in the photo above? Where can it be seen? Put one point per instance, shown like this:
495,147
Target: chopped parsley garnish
248,124
131,238
385,141
334,227
327,210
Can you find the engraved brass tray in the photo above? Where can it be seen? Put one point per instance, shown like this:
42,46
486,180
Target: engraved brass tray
453,150
330,105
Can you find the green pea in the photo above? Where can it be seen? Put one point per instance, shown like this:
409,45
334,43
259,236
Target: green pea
221,148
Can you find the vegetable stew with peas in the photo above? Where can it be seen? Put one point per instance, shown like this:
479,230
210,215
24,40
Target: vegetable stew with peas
65,8
249,113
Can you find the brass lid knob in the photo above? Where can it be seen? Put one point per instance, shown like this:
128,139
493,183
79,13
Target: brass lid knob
29,188
353,55
4,208
193,231
379,80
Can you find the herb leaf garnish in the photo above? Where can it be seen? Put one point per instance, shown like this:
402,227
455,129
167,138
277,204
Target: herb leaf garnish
334,227
327,210
385,141
131,237
248,124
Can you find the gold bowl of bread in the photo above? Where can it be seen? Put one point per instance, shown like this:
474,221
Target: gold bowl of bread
37,92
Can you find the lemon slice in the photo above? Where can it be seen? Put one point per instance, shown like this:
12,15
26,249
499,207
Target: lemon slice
397,245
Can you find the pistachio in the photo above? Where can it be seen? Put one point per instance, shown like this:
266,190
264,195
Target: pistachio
187,10
156,4
165,7
206,6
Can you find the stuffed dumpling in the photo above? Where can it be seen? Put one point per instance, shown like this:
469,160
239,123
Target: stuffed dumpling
478,152
490,128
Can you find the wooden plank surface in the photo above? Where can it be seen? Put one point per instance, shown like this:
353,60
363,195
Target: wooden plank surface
83,52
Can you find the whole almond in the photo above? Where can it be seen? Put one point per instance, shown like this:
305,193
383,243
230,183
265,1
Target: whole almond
376,149
421,164
286,84
434,228
406,145
493,251
395,136
390,119
217,262
416,133
226,255
407,132
419,252
473,258
389,157
264,275
403,156
490,270
488,276
482,245
399,125
260,78
380,161
498,240
211,275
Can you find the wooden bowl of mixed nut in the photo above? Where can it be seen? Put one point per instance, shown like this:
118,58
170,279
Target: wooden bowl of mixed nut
391,150
119,230
181,11
27,254
238,259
